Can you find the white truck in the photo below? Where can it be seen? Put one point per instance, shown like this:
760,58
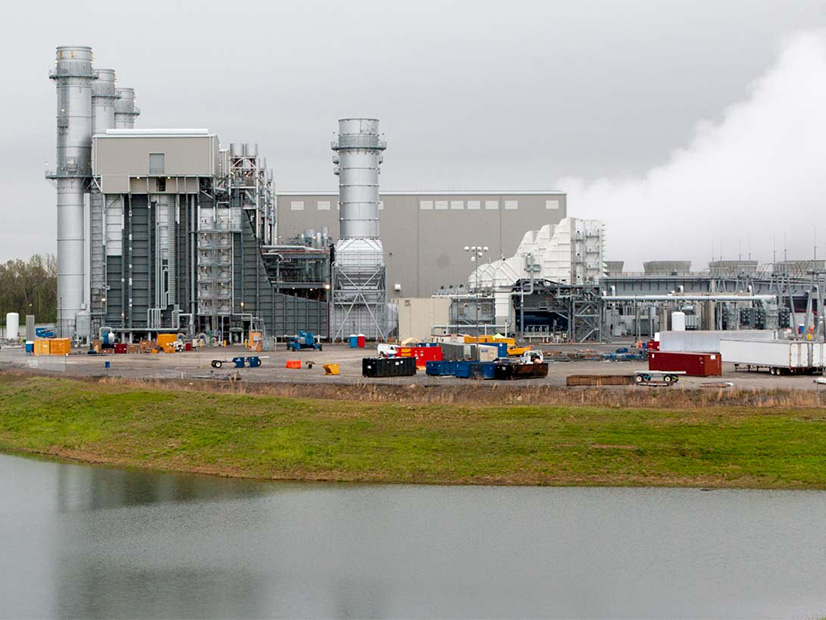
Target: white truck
779,357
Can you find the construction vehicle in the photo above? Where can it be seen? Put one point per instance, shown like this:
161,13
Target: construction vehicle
514,351
304,340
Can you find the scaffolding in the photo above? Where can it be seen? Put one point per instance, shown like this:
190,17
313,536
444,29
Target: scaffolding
359,290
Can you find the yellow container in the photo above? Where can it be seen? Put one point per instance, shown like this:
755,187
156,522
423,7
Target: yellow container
165,339
60,346
330,369
516,351
42,347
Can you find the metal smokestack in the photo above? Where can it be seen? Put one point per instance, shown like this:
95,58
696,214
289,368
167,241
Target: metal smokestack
359,279
73,76
126,110
104,96
359,153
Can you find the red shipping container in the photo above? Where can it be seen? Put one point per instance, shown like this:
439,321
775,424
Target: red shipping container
693,364
120,348
422,354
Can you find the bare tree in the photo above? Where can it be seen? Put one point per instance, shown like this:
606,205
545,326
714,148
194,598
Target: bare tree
30,287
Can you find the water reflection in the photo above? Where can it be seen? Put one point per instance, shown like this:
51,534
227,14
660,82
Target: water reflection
96,488
100,543
92,590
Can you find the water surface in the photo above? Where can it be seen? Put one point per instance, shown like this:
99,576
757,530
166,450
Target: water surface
93,542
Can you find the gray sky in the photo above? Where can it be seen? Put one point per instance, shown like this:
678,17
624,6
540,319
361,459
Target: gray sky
647,113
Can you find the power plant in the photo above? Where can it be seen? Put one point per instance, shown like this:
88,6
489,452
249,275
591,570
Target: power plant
177,234
170,231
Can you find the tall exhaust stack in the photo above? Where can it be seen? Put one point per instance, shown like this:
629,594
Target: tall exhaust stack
73,77
359,294
126,109
104,96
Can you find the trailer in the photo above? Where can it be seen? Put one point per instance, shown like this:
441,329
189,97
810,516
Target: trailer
779,357
253,361
658,377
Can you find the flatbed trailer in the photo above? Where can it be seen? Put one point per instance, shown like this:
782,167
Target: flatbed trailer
253,361
658,377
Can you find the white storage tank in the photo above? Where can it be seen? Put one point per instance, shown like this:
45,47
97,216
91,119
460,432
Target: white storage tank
12,326
678,321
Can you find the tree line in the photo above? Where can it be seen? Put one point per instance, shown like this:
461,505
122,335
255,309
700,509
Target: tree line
29,287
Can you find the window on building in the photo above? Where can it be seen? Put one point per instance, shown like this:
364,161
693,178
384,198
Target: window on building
510,205
474,204
457,204
156,163
492,204
441,205
296,205
162,184
381,205
323,205
426,205
552,204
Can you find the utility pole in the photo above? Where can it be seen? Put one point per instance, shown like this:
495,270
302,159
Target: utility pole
476,253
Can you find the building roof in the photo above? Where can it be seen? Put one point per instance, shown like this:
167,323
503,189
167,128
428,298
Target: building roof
451,192
156,133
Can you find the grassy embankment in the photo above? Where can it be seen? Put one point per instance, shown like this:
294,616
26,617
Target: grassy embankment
265,436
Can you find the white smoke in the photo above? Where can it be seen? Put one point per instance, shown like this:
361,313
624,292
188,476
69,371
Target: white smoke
760,172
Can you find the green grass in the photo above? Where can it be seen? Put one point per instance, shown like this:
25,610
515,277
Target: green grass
301,439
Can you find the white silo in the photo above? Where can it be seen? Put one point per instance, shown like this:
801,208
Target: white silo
12,326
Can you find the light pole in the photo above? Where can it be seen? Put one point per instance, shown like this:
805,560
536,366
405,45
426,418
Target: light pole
476,252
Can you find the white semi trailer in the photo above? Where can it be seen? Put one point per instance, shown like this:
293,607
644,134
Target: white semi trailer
779,357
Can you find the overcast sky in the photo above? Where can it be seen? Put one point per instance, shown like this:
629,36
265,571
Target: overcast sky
685,125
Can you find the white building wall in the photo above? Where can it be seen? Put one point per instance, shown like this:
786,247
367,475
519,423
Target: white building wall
571,252
418,315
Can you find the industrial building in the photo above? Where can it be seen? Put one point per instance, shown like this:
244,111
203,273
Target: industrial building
169,230
424,233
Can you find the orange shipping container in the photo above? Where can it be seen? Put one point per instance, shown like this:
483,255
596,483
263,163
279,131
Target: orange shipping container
164,339
60,346
41,347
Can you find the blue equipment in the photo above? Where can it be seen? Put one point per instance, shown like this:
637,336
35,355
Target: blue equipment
304,340
253,361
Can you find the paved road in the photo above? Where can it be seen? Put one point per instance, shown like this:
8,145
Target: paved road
196,364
